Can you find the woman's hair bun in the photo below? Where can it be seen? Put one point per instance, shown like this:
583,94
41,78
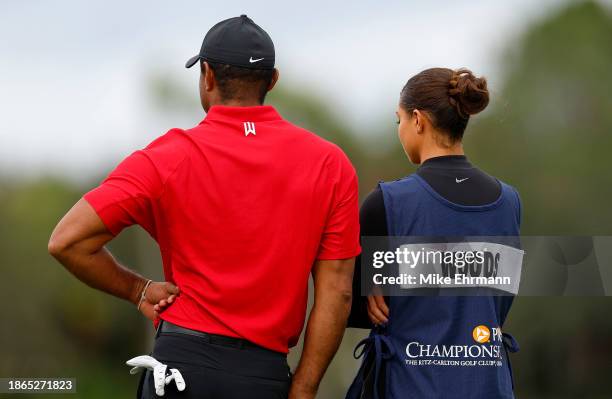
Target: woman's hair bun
467,93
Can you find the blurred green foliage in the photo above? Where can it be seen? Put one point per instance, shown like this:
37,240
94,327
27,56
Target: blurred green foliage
547,133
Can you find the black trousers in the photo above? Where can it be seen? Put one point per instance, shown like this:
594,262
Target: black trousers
218,371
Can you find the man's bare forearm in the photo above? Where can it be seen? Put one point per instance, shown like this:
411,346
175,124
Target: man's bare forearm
78,243
325,329
101,271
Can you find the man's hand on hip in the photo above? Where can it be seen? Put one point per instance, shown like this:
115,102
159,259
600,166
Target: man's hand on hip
157,298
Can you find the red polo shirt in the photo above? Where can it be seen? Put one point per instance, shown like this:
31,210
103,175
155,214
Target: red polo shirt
241,206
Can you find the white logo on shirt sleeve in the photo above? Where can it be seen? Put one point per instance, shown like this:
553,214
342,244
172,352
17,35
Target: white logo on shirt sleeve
249,128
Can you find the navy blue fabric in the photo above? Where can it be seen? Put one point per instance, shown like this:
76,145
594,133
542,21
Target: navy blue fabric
413,208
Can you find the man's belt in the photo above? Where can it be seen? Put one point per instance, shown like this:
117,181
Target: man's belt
166,327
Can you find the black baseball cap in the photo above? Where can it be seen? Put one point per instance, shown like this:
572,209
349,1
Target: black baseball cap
239,42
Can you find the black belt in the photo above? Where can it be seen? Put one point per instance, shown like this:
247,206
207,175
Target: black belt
166,327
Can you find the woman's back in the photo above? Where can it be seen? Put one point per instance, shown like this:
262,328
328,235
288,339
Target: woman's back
439,335
433,338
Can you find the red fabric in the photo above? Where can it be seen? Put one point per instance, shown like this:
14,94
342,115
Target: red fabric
239,219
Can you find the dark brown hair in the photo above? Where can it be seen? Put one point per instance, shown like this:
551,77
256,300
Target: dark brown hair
449,97
236,82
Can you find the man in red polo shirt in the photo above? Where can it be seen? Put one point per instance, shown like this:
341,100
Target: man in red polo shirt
244,207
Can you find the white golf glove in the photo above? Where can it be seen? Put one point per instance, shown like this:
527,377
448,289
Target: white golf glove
160,378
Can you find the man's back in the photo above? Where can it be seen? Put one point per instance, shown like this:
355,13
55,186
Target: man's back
241,206
245,207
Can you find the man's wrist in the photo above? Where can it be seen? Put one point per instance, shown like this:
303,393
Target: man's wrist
143,294
298,393
300,386
137,287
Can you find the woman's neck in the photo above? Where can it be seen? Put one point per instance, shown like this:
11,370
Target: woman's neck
435,150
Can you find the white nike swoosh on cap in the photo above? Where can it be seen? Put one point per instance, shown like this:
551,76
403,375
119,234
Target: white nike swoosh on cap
460,180
251,60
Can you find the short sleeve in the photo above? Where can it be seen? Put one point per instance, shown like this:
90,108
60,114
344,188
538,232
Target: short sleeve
126,196
340,238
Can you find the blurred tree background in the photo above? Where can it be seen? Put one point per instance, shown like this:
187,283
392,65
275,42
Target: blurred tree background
547,133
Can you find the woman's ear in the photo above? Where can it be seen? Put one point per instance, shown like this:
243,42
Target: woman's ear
419,121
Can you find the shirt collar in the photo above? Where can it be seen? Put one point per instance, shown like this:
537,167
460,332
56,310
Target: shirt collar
260,113
446,161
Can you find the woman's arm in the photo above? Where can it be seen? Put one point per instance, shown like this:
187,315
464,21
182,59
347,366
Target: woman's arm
373,221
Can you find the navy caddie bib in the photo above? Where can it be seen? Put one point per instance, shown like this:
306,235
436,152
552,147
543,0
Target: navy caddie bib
446,345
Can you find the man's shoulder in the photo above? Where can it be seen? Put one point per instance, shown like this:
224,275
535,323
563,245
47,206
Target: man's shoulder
167,151
315,141
168,141
331,153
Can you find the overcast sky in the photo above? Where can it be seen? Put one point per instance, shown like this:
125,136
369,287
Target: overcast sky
73,74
